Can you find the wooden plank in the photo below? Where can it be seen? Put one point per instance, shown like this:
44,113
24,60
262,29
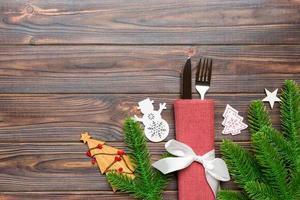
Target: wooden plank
61,117
91,195
142,69
31,167
150,22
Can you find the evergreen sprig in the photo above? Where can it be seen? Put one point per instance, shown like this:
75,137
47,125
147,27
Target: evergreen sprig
258,116
272,170
148,183
241,163
232,195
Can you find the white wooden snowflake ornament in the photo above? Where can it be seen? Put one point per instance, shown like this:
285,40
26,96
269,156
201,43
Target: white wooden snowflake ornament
233,122
271,97
156,128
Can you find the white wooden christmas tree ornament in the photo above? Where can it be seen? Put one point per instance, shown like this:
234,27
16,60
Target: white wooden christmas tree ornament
233,122
156,128
271,97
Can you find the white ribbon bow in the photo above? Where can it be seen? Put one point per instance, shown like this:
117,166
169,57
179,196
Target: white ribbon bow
215,168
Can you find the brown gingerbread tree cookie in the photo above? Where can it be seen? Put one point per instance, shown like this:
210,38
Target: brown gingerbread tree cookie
109,159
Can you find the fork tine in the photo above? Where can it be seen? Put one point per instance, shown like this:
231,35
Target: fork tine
203,76
209,71
202,69
198,71
206,70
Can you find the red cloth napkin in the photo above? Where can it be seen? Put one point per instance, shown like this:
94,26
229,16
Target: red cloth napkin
194,121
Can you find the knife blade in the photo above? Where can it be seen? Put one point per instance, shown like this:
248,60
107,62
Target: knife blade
186,92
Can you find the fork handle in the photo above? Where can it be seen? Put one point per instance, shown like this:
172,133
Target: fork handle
201,89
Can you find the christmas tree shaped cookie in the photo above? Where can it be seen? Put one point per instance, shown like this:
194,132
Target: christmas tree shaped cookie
109,159
232,122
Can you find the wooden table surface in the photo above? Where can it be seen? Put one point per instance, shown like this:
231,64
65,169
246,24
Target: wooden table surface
68,66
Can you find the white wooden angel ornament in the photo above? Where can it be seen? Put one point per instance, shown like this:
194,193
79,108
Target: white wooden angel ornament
156,128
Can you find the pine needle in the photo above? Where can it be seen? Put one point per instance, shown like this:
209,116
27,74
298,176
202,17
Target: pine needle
242,165
290,110
148,183
231,195
260,191
258,116
272,172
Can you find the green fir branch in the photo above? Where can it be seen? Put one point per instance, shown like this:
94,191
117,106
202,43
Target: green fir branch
121,181
241,163
258,116
161,179
290,123
290,111
275,170
285,151
260,191
290,116
138,152
148,183
231,195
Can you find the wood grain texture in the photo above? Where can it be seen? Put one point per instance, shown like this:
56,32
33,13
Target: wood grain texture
62,117
142,69
68,66
27,167
90,195
150,22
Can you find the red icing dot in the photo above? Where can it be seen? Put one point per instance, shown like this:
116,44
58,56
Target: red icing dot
117,158
120,169
99,146
121,152
88,153
93,161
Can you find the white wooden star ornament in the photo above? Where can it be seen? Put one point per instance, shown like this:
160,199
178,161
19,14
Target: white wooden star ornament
271,97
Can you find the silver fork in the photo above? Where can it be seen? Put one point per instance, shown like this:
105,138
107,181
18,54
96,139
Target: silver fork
203,76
